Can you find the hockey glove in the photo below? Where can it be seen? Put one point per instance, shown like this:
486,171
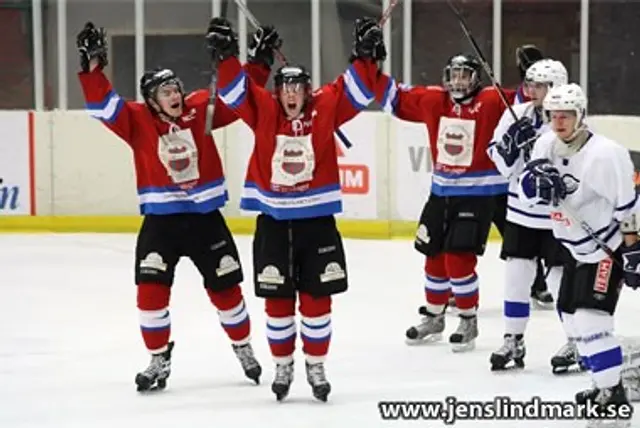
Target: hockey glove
368,41
222,41
542,180
520,135
262,45
92,43
631,264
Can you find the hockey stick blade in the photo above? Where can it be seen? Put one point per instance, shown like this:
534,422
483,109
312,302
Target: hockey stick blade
483,60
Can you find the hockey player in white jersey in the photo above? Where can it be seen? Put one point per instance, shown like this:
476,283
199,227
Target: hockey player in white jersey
588,180
527,237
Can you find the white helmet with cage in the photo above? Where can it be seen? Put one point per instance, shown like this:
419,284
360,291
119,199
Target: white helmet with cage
569,97
548,71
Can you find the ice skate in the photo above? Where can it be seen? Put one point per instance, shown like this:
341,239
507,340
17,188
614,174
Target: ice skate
542,299
464,338
605,399
283,379
428,331
247,359
566,359
513,349
318,381
155,376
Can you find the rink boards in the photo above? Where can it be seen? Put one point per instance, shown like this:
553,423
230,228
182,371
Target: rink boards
63,171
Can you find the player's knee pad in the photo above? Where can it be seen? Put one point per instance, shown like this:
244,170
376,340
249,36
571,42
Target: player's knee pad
311,306
519,275
280,307
590,322
435,267
460,265
226,299
151,296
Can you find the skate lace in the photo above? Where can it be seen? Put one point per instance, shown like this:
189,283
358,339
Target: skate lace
568,350
507,347
245,355
465,326
283,373
316,373
156,367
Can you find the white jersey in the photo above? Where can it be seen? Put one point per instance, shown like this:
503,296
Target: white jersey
600,192
519,211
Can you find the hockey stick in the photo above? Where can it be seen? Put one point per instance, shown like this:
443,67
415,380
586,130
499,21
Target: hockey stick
213,85
483,61
592,234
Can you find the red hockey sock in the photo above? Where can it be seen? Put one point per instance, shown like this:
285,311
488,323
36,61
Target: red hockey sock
281,328
315,327
233,314
436,289
155,320
461,268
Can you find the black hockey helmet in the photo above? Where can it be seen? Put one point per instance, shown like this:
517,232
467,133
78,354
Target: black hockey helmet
292,74
462,62
153,79
526,55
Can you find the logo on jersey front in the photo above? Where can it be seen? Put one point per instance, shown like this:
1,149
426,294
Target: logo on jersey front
293,161
456,141
571,183
179,155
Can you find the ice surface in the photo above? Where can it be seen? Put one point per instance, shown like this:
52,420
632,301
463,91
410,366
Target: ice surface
70,345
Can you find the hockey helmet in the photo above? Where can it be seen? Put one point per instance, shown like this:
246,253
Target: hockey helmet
569,97
292,74
152,80
463,62
548,71
526,56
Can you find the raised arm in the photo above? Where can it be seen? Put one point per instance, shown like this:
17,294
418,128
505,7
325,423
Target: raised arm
102,102
511,140
236,89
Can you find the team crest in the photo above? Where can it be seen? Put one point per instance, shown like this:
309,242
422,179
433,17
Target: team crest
571,183
455,141
179,155
293,161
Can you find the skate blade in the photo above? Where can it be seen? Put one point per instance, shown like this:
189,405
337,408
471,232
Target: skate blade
543,306
567,370
431,338
463,347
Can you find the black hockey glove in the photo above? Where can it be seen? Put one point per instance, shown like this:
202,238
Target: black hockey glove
520,136
262,45
631,264
368,41
92,43
222,41
543,181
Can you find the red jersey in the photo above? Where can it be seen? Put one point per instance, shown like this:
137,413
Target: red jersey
293,170
459,134
178,168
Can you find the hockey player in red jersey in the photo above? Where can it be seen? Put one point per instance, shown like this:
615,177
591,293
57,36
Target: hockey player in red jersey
293,181
180,188
454,226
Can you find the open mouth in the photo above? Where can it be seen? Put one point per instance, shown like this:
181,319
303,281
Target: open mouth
291,106
175,105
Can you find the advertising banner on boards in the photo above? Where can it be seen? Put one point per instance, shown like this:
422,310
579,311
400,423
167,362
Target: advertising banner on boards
15,164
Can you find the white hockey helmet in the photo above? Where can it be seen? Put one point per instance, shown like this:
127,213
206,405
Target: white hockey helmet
547,71
569,97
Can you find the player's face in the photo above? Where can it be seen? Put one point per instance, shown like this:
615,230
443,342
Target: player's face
536,91
169,99
460,79
292,97
563,123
